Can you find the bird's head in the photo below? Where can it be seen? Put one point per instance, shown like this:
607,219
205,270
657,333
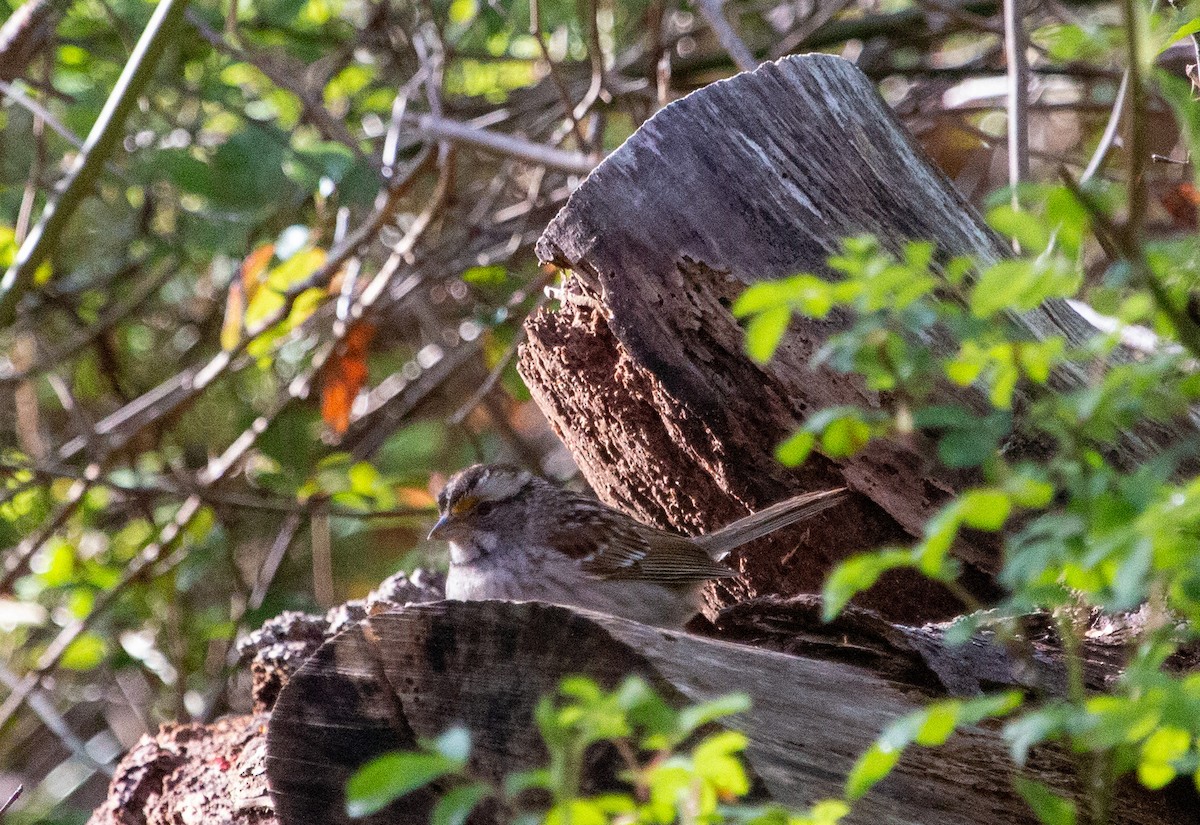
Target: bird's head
470,509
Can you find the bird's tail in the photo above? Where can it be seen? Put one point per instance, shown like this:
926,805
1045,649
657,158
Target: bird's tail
798,508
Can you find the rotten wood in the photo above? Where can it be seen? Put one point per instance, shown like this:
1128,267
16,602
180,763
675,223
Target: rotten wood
642,370
914,662
483,665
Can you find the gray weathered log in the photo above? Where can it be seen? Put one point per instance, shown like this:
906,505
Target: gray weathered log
484,665
642,371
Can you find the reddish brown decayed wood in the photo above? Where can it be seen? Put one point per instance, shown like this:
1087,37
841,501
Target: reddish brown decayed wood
644,375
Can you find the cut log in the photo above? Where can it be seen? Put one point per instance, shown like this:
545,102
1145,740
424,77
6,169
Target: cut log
158,780
484,665
642,370
192,774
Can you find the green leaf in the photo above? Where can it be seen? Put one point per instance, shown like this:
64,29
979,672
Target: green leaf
1000,286
845,436
1025,228
760,297
941,718
715,760
388,777
1050,808
1159,752
960,448
990,707
1030,492
576,812
1156,775
856,574
764,332
1187,29
85,653
794,451
456,805
828,812
1166,744
491,276
984,509
940,533
871,767
517,783
1032,729
696,716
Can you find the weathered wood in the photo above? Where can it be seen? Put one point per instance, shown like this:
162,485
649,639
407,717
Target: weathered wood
642,371
914,660
193,774
484,665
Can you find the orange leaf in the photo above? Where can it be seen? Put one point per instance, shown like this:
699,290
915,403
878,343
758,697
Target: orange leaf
344,375
235,310
415,497
1181,202
253,267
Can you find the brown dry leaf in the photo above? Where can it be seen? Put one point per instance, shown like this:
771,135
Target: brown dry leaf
344,375
415,497
235,311
253,267
1181,202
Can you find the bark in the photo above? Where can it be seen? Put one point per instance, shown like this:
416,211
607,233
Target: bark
642,370
484,665
822,692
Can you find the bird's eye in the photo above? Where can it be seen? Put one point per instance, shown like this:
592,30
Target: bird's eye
483,508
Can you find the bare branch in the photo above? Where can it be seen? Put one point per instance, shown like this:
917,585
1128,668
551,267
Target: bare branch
105,135
16,794
741,55
1110,131
1015,43
507,145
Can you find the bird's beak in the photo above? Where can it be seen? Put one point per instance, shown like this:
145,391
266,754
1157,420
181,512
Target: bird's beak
439,529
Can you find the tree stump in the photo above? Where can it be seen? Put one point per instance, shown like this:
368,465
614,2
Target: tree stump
642,372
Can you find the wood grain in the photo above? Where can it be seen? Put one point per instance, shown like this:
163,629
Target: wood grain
484,665
642,370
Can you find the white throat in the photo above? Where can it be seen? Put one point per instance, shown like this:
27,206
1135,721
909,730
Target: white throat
479,545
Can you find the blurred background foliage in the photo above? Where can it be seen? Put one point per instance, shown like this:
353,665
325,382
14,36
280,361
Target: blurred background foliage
290,303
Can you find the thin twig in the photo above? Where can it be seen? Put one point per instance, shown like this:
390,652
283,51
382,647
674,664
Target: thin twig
43,706
38,110
1138,152
104,137
16,794
274,558
535,30
141,564
1110,131
1118,242
502,144
1018,95
734,46
18,558
596,56
459,415
108,319
313,108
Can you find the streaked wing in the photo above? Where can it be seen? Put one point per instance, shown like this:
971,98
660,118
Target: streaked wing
611,546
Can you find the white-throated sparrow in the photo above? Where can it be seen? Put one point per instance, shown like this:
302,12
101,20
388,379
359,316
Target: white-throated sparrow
518,537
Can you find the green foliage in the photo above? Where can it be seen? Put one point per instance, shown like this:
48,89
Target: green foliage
1079,524
669,781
